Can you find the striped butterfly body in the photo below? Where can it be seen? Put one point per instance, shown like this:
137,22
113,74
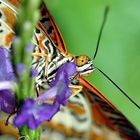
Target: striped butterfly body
48,58
49,54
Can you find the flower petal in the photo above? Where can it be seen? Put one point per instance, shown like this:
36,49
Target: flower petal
7,101
52,92
6,70
68,69
64,72
32,114
33,72
5,85
63,92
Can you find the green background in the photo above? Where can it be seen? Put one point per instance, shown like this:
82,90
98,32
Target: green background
119,52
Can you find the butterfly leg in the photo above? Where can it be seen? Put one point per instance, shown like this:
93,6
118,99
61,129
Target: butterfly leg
75,89
37,54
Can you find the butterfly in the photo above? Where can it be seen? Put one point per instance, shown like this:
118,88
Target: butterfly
88,108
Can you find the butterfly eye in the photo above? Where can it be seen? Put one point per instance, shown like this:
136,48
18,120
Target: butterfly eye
82,60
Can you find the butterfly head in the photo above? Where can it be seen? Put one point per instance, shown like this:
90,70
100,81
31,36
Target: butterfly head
84,65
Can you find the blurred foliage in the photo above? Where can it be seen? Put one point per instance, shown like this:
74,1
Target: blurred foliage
119,52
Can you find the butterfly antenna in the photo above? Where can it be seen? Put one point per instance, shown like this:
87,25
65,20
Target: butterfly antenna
118,87
101,30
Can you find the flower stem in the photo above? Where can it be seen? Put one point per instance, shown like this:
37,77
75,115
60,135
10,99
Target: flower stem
27,134
28,14
22,45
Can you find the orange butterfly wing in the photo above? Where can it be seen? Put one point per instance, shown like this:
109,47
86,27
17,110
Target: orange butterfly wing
52,29
104,113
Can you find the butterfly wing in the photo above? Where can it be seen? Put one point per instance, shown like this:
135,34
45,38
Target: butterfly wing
7,20
12,3
51,28
8,130
104,113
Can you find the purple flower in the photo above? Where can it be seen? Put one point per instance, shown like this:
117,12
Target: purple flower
33,72
60,86
7,99
29,48
20,68
66,70
6,70
33,112
7,78
62,81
